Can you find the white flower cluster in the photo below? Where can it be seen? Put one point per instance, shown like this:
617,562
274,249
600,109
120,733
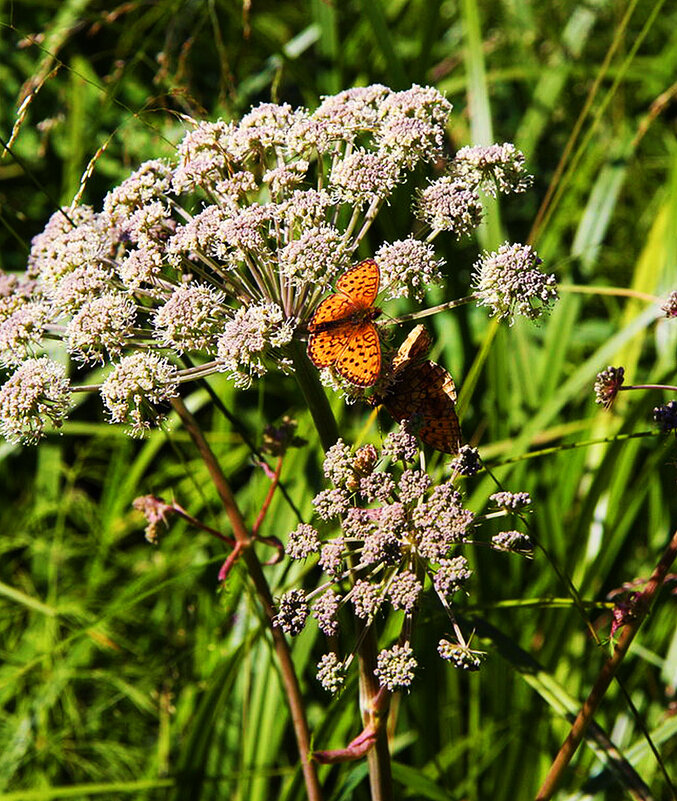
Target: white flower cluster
222,254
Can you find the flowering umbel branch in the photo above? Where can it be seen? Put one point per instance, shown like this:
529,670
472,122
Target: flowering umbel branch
214,262
222,253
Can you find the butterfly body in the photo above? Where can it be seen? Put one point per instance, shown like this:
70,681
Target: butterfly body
342,331
358,317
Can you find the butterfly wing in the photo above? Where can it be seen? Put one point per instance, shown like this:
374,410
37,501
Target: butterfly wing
331,313
325,347
423,392
414,347
439,426
361,283
360,360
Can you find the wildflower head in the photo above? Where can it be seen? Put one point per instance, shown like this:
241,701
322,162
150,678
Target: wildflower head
395,667
331,673
401,446
292,612
670,305
666,417
511,501
510,282
302,542
460,655
408,267
496,168
224,251
135,387
400,535
450,204
37,392
156,511
607,385
467,462
192,319
513,541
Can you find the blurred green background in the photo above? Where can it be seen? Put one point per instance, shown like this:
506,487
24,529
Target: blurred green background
126,672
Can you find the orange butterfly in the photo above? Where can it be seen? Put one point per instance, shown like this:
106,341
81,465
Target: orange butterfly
424,393
342,332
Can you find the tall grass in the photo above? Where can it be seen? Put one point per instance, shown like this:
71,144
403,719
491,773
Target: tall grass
125,671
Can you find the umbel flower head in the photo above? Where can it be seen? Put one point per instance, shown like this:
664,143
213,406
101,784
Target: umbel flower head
222,253
607,385
400,536
510,282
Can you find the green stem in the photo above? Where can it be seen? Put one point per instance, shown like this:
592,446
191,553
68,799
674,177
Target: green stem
452,304
378,757
315,396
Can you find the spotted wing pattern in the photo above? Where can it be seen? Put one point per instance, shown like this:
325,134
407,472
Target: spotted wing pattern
423,393
361,283
332,313
342,334
360,360
325,347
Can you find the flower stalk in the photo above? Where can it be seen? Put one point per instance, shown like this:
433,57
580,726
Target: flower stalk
374,736
641,607
244,540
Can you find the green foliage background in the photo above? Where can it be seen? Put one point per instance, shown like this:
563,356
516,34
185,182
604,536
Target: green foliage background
125,672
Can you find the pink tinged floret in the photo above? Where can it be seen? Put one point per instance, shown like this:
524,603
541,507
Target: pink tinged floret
364,177
511,283
38,391
331,672
325,610
395,667
404,591
450,204
136,385
408,268
315,258
292,612
192,319
302,542
21,333
102,327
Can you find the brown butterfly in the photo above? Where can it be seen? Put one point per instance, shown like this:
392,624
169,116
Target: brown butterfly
423,393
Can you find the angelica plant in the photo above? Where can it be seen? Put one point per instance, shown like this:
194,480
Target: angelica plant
214,262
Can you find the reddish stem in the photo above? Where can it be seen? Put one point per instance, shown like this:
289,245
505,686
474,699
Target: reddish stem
641,608
269,497
244,539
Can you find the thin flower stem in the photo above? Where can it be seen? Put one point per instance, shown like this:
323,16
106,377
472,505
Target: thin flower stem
649,386
269,497
368,220
452,304
568,446
640,610
374,706
179,510
244,539
618,291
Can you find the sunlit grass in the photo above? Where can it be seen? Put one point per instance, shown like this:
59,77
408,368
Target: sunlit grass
126,671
